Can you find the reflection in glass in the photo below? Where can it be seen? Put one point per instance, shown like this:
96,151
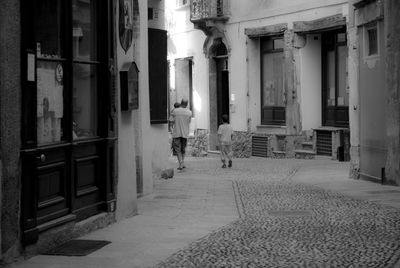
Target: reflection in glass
343,96
331,78
84,101
273,79
50,108
84,29
278,43
47,27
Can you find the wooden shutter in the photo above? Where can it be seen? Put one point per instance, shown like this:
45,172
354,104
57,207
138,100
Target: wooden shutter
158,83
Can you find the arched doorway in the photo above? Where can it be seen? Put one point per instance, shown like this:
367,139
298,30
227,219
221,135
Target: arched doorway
219,88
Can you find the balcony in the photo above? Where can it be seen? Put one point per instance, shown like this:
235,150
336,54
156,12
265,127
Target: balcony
203,11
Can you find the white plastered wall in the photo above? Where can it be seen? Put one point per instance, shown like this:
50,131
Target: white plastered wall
310,80
136,137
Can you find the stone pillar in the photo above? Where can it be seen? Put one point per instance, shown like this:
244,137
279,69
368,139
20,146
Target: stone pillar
392,31
292,104
354,110
10,126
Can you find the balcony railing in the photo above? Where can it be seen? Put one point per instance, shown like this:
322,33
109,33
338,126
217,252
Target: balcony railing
201,10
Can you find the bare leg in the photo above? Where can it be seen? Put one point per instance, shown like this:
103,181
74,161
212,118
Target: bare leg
180,159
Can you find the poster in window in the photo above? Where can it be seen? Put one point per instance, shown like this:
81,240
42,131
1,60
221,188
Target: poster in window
125,23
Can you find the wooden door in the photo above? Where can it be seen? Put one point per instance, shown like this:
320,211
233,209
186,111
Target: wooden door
335,92
65,147
222,88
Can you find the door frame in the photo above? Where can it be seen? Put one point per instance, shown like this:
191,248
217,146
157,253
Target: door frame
334,110
68,152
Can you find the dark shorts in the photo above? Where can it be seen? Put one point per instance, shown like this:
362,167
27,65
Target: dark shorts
179,145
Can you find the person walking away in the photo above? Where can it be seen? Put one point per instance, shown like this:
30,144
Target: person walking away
171,118
225,133
181,117
171,125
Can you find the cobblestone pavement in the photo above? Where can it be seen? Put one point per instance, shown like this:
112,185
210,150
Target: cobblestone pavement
286,224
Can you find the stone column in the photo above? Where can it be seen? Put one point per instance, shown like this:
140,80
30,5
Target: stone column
292,104
354,110
392,31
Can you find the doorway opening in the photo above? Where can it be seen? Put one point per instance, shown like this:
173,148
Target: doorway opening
335,94
219,89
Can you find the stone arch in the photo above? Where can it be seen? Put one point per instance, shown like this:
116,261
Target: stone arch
217,51
214,41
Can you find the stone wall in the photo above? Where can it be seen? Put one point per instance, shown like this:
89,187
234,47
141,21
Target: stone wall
241,144
198,144
392,28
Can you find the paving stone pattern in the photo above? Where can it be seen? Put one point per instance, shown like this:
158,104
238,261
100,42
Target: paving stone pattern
285,224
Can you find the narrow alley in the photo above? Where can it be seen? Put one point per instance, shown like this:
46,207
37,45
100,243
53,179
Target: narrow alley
260,213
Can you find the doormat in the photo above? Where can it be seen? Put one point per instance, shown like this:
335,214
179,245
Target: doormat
77,247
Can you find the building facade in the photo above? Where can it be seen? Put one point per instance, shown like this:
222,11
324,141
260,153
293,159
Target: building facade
292,75
277,68
78,141
373,67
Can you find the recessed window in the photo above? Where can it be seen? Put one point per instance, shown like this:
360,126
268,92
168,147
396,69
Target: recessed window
150,13
372,41
371,35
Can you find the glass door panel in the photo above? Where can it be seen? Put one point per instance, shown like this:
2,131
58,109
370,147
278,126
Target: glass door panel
330,78
85,69
84,30
84,101
273,79
50,102
49,72
343,95
48,24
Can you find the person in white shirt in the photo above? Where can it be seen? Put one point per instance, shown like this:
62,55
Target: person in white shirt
181,117
225,133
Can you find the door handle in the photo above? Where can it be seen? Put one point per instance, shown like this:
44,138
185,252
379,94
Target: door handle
41,158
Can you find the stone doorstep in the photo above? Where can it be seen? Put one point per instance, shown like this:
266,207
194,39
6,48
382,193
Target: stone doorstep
279,154
307,144
304,154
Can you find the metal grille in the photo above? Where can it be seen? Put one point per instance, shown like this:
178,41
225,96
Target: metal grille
259,146
324,142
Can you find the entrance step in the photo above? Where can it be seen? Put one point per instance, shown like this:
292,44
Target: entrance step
307,145
304,154
279,154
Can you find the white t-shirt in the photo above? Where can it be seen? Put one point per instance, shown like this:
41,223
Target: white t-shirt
225,131
181,117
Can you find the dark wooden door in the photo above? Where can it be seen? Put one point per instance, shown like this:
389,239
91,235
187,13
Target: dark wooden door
222,88
65,147
335,92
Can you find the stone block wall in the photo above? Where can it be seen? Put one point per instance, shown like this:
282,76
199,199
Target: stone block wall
198,144
241,144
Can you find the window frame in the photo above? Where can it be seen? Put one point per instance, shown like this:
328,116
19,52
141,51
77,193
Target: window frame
274,109
366,40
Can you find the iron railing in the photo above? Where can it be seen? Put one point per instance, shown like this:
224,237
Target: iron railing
209,10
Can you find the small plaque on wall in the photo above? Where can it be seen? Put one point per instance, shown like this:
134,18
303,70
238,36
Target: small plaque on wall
129,82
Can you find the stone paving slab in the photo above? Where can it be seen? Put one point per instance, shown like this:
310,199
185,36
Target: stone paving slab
316,217
289,224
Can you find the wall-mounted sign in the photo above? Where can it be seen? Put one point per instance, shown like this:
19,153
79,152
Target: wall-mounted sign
125,23
129,81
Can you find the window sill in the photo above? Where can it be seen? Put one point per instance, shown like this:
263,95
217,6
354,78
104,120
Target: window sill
271,126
